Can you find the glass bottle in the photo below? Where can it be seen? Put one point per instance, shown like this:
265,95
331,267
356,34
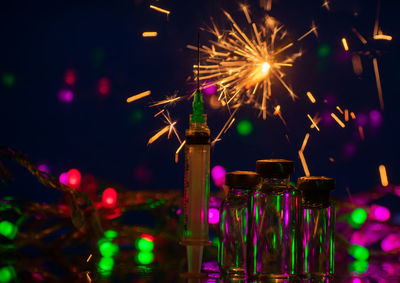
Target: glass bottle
233,227
274,218
317,251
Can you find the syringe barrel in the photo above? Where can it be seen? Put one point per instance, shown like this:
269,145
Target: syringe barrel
197,185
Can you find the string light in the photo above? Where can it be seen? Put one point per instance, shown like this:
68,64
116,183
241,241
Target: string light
359,252
109,198
8,229
358,217
74,178
218,173
213,215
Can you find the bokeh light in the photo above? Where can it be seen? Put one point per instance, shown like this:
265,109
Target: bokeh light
7,273
104,86
65,95
8,229
110,234
379,213
63,179
209,88
218,175
70,77
44,168
244,127
8,79
142,174
361,119
144,258
108,249
356,280
391,242
137,116
214,103
375,118
324,50
109,198
74,178
359,266
359,252
213,215
106,263
144,244
358,217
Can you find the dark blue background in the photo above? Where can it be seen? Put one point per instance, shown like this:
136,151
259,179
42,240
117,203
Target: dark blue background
40,40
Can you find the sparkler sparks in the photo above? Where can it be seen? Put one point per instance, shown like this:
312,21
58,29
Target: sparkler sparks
314,123
160,9
304,164
245,65
338,120
138,96
158,135
311,97
345,46
149,34
383,175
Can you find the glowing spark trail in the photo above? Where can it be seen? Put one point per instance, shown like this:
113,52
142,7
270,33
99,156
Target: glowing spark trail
346,115
138,96
353,116
166,101
90,256
383,174
311,97
313,122
149,34
303,146
361,132
178,150
338,120
345,46
160,9
382,36
246,63
339,109
304,164
158,135
378,83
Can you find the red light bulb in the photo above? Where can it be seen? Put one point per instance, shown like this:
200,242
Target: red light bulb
70,77
109,198
104,86
74,178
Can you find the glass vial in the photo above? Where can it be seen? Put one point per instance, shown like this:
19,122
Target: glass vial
274,230
233,227
317,252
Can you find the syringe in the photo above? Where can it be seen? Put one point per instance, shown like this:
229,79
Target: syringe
197,186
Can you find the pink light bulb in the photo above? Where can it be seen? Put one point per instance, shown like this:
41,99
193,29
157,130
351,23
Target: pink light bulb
65,95
379,213
356,280
63,179
74,178
213,215
109,198
218,175
391,242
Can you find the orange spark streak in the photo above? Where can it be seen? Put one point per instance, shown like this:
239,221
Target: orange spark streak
378,83
304,163
149,34
361,132
223,128
312,121
178,150
311,97
160,9
88,277
357,65
166,101
339,109
353,116
344,41
230,125
138,96
303,146
90,256
158,113
360,37
383,174
171,127
158,135
346,115
382,36
331,159
338,120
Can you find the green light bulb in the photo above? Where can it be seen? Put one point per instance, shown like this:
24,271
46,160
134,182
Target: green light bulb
8,229
358,217
359,252
108,249
110,234
145,245
244,127
106,263
7,273
145,257
359,266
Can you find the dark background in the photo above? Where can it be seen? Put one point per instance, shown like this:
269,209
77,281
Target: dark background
106,137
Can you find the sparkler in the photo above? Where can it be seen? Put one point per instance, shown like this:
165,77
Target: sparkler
245,65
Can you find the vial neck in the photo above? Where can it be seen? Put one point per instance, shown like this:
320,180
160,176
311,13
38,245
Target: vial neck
277,181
